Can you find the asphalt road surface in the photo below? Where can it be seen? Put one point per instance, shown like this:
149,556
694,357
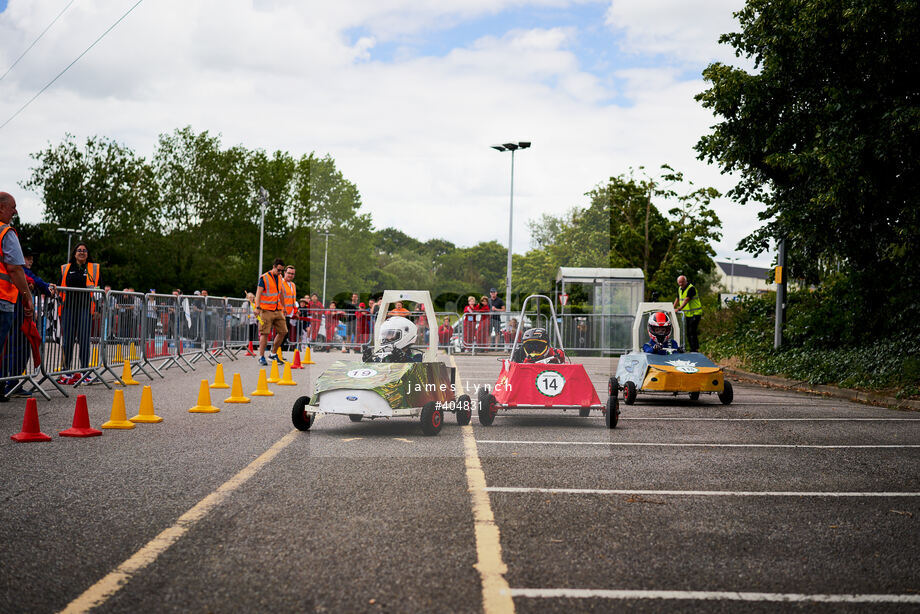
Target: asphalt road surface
780,501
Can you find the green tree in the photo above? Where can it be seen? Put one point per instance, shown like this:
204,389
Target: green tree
825,132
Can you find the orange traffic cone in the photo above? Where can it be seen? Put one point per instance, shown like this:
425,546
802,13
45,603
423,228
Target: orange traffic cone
296,364
249,351
308,360
80,426
204,401
146,414
118,419
262,387
288,379
273,376
236,393
219,378
30,429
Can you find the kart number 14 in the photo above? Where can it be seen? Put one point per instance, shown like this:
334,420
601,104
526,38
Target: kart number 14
550,383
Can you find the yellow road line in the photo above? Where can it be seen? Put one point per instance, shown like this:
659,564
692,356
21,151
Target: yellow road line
496,594
99,592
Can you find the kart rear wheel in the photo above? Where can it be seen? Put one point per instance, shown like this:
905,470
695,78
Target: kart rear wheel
727,394
487,408
464,410
612,412
629,393
355,417
695,396
302,418
432,418
584,411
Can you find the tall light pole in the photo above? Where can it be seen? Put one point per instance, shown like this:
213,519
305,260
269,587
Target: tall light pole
70,233
263,202
512,147
325,261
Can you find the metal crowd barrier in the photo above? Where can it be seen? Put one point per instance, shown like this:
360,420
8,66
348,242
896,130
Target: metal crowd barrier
241,326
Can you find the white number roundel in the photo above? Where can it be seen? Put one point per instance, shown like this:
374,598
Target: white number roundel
550,383
360,373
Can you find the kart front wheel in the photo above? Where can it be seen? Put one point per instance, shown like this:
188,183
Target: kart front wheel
612,412
727,394
613,386
695,396
487,408
464,410
432,418
629,393
302,418
355,417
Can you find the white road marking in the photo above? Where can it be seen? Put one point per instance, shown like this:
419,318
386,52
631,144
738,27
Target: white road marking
578,593
695,445
692,419
697,493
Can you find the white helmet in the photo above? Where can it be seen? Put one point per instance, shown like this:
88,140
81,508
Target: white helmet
398,332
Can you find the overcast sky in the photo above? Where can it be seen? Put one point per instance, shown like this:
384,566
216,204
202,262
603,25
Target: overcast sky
406,95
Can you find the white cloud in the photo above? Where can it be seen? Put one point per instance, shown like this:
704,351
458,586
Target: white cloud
412,133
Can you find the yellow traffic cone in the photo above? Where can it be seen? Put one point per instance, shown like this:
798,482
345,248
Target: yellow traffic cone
204,401
307,359
219,377
281,356
146,414
273,377
94,358
132,352
118,420
236,393
262,387
288,379
126,376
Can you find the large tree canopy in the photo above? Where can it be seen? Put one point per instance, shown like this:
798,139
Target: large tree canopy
825,131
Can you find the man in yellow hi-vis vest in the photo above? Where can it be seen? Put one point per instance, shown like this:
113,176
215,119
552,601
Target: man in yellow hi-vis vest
688,301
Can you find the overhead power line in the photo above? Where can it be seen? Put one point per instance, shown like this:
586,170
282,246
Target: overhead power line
36,40
85,51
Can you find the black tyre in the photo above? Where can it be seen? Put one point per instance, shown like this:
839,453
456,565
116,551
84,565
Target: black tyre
432,418
727,394
300,416
695,396
612,412
486,408
355,417
464,410
613,386
629,393
584,412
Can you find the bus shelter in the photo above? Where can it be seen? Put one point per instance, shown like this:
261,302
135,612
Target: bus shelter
614,296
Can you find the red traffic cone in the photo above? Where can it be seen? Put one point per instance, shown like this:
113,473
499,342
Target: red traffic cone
30,429
296,363
250,351
80,426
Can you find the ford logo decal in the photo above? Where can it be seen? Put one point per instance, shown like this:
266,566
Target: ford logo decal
352,397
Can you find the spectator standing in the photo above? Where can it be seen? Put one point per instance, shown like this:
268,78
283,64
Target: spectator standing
78,307
351,320
269,308
421,322
497,306
469,322
13,284
316,316
362,325
483,322
399,310
332,316
444,332
688,302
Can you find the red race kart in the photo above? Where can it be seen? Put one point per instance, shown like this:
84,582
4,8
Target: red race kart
551,383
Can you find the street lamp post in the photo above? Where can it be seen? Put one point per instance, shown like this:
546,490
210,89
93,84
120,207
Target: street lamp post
512,147
263,202
70,233
325,261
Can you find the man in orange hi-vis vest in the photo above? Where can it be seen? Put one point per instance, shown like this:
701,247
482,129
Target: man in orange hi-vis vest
289,299
13,282
270,308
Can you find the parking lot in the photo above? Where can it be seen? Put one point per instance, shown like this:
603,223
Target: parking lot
781,500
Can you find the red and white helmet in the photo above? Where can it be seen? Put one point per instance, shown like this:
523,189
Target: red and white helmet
659,327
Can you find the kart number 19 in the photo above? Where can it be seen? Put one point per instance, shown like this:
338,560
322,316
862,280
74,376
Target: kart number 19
550,383
360,373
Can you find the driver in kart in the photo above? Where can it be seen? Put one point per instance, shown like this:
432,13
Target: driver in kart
396,336
659,332
535,348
